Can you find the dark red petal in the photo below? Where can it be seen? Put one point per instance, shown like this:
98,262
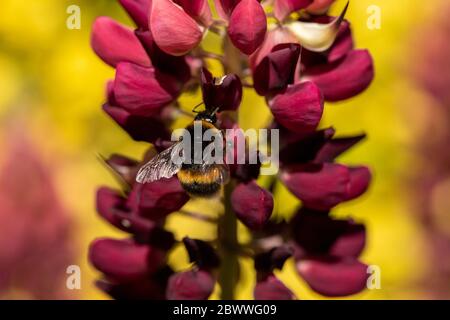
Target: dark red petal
283,8
334,278
343,43
157,199
112,207
335,147
114,43
304,149
252,204
124,167
275,258
151,287
345,78
316,234
164,62
201,253
341,46
142,289
272,289
274,37
138,11
197,9
351,242
138,90
277,69
124,260
248,26
224,93
319,6
225,7
174,30
140,128
299,108
190,285
359,181
320,186
323,186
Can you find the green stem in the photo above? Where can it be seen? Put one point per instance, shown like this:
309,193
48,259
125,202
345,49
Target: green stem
228,245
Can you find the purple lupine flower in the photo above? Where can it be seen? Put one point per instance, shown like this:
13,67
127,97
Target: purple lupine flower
429,186
36,227
296,67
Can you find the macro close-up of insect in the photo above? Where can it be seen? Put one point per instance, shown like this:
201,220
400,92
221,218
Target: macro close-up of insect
196,169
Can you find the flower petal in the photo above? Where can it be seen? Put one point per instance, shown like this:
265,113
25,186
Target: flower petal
168,64
140,128
197,9
341,46
305,148
359,181
345,78
124,260
317,234
315,36
323,186
225,7
332,148
190,285
224,93
272,289
201,253
140,90
299,108
123,166
151,287
272,259
276,36
283,8
114,43
343,43
157,199
138,11
174,30
334,278
319,6
248,25
113,208
277,69
252,204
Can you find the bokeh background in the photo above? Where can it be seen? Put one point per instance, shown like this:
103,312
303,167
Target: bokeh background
52,129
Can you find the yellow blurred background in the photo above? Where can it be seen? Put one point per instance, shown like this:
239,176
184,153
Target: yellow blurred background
52,88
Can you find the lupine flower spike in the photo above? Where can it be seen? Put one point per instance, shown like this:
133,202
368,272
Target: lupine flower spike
295,56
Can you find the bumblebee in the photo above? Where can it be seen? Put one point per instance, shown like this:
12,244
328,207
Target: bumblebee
202,178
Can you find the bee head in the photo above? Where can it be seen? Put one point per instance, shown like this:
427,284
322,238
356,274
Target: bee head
207,116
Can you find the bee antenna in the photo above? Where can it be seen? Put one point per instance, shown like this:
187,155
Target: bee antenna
214,111
195,108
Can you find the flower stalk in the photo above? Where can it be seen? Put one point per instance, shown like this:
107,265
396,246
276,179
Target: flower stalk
228,246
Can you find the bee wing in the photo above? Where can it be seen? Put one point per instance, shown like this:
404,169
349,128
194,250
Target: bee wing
160,166
224,173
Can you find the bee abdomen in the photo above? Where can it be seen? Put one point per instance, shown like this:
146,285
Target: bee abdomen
200,184
202,189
